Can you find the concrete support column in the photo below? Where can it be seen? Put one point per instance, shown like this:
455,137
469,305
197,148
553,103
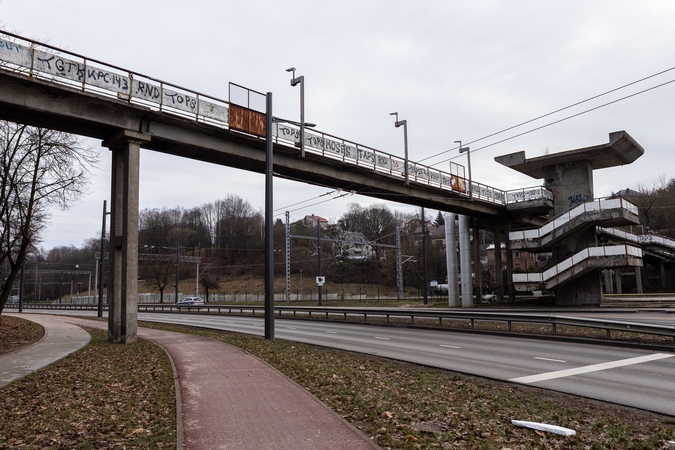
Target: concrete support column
662,265
451,260
477,267
638,279
617,274
499,266
509,265
465,261
123,281
609,287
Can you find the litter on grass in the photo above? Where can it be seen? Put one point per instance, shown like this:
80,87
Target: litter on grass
544,427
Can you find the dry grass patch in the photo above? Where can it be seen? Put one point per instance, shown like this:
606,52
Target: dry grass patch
103,396
16,333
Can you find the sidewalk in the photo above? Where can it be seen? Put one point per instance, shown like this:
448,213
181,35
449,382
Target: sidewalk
60,340
232,400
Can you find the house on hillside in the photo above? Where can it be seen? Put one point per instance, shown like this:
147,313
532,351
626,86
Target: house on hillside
312,220
522,261
352,245
435,235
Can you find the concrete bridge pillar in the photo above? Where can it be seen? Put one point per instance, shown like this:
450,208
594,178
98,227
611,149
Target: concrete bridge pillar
465,261
619,289
451,260
609,286
499,266
123,280
638,279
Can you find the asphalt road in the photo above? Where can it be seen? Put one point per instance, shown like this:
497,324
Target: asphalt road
637,378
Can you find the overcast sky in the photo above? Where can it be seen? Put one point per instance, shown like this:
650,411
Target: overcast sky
454,70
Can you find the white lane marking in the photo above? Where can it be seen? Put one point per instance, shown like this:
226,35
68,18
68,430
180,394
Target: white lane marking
549,359
382,338
588,369
332,332
449,346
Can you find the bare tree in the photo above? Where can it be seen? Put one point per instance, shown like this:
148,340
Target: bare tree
376,222
161,272
39,168
209,283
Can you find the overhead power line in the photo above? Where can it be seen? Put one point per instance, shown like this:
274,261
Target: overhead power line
557,111
317,203
557,121
284,208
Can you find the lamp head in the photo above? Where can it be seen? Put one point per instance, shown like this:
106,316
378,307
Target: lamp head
294,81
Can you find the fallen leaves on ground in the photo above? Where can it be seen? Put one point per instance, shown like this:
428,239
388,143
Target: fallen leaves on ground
16,333
404,406
104,396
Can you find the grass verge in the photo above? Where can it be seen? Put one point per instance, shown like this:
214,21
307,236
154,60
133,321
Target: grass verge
102,397
114,396
16,333
404,406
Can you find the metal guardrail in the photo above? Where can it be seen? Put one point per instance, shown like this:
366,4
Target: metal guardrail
440,317
43,61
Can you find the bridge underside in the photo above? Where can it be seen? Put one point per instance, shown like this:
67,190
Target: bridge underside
39,103
125,128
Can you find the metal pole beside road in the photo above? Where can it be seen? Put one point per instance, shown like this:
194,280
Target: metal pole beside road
269,223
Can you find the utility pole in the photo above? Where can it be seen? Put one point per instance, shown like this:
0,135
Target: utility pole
21,288
399,265
318,252
288,256
102,262
177,258
269,220
424,259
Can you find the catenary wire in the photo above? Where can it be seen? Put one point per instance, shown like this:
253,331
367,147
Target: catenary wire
558,121
554,112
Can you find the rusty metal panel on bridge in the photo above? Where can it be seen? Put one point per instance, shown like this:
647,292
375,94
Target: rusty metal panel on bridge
247,120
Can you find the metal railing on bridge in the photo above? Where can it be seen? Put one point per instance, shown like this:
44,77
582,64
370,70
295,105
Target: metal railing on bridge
564,218
45,62
609,251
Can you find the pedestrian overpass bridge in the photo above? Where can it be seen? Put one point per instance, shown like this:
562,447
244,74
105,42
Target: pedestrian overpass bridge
53,88
45,86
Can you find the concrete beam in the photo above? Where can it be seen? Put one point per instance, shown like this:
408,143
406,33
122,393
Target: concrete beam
621,149
37,102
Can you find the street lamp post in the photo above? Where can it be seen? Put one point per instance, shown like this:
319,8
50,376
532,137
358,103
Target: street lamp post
294,82
318,255
102,262
405,141
61,286
468,157
269,223
177,268
425,294
269,212
21,286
